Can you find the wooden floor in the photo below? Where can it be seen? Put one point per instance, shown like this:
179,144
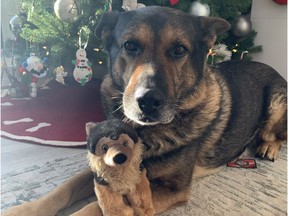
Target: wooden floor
16,155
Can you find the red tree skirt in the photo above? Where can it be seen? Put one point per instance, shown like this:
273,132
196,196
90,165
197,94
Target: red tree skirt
57,116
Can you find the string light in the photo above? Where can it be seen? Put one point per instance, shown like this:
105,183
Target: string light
100,62
97,49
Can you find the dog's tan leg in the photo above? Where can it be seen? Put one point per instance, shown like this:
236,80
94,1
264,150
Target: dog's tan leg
92,209
164,198
200,171
274,132
75,189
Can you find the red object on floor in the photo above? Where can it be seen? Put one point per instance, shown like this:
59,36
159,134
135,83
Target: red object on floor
281,2
57,116
243,163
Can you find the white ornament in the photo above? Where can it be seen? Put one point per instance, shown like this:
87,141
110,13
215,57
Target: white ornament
60,74
35,66
83,71
199,9
33,94
33,85
67,10
129,5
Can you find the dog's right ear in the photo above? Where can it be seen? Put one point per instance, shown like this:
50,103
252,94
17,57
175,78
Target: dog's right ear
106,27
89,126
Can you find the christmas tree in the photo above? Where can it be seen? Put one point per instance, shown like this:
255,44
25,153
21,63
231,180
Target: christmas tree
58,32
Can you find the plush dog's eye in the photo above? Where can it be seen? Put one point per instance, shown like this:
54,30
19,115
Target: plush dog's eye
105,148
178,51
125,143
131,46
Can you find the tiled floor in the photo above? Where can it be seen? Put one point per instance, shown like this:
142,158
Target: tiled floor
16,155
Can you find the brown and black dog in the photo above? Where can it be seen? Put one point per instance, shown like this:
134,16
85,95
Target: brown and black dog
191,117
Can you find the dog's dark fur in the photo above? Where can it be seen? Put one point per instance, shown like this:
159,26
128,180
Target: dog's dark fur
186,112
191,117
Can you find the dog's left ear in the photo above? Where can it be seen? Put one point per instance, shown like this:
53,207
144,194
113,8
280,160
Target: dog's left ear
106,27
211,27
89,126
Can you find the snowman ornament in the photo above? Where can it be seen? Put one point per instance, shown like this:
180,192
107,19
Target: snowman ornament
83,71
35,66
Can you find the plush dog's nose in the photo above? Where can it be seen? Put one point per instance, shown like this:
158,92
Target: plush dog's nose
150,101
120,158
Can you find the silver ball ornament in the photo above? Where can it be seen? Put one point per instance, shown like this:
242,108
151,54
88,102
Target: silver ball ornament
67,10
242,26
199,9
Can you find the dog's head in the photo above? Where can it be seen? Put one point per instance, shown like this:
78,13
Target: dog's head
111,143
156,58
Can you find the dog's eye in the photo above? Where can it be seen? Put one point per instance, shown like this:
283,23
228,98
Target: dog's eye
131,46
105,148
178,51
125,143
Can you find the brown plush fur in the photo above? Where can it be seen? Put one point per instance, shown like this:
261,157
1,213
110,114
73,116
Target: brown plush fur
123,181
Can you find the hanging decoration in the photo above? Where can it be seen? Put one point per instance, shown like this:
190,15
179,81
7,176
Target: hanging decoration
15,25
174,2
242,26
199,9
108,6
218,53
83,71
242,54
60,74
67,10
129,5
35,66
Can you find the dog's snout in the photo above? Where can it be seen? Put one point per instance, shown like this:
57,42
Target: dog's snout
150,101
120,158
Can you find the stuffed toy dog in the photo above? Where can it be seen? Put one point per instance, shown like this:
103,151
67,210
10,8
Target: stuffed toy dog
121,185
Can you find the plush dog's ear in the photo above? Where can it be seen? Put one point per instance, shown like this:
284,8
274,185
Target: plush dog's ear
106,26
89,126
211,27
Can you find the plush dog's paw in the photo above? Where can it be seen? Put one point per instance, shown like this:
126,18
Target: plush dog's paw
269,150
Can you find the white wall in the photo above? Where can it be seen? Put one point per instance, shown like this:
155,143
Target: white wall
270,21
9,8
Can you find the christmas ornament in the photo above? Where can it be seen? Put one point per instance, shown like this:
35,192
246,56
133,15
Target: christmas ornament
173,2
67,10
60,74
218,53
129,5
15,25
242,54
83,71
242,26
108,6
36,67
199,9
281,2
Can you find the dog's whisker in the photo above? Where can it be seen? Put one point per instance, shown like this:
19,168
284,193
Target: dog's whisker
120,107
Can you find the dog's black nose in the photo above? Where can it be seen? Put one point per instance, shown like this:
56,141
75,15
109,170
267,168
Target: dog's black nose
150,101
120,158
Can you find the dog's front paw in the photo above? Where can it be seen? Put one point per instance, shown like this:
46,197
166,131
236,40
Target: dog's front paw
269,150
